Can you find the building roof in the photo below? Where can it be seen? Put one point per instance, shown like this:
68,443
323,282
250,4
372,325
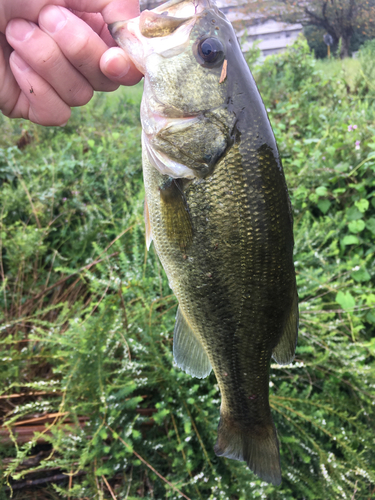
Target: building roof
266,45
267,28
222,4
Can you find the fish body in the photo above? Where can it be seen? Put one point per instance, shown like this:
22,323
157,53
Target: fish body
218,211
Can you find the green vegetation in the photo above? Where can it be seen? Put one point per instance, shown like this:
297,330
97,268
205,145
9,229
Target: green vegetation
87,315
346,69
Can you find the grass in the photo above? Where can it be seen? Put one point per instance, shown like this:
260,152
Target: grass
348,69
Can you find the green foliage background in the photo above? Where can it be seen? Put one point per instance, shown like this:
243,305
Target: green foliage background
87,315
314,36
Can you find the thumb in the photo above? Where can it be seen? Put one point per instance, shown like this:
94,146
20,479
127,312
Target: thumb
117,66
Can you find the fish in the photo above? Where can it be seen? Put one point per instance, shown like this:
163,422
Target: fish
218,211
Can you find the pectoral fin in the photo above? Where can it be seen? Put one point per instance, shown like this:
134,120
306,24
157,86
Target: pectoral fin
176,214
188,350
285,349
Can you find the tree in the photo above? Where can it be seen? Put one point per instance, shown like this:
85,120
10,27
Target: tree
340,18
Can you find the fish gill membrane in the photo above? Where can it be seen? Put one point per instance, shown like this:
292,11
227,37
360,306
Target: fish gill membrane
219,214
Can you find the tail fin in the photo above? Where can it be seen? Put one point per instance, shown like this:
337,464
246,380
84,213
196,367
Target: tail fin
258,446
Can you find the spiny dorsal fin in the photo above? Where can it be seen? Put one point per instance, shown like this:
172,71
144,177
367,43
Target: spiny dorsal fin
188,351
285,349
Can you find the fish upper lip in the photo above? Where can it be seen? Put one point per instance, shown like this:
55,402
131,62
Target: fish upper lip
126,32
128,36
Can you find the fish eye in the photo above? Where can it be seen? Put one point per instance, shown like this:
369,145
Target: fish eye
211,50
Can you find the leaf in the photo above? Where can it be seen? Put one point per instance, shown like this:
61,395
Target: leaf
324,206
342,167
361,275
356,226
311,141
103,433
370,299
321,191
362,205
160,415
353,214
370,224
103,471
136,434
350,240
370,317
346,300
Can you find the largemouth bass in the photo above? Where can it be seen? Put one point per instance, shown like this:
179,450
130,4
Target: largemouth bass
218,211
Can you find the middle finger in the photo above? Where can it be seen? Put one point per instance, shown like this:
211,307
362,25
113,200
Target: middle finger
81,45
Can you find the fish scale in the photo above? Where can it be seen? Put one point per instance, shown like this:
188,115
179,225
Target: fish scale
218,212
217,321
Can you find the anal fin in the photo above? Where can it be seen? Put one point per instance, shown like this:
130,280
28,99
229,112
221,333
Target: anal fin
146,216
188,351
284,352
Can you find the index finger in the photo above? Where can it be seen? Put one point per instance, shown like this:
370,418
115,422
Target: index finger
111,10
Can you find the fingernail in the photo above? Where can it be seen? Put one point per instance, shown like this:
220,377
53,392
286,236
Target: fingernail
21,30
116,67
53,19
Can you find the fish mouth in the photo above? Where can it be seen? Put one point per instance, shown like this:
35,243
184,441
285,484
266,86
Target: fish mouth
164,30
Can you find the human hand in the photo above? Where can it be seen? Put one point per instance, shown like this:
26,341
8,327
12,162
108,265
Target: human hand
60,56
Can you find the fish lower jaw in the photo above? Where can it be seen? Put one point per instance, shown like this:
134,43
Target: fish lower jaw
153,123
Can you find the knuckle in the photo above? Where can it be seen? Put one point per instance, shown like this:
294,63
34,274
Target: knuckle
7,108
81,47
13,104
106,86
79,95
41,116
47,58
